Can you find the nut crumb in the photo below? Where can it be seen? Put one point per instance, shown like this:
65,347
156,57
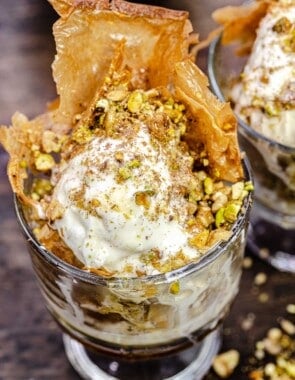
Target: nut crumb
264,253
260,279
273,357
248,322
225,363
290,308
287,326
247,262
263,297
274,333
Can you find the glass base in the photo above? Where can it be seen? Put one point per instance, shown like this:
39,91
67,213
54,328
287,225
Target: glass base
271,239
192,363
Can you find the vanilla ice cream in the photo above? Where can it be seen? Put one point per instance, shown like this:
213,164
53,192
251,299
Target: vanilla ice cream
121,217
265,96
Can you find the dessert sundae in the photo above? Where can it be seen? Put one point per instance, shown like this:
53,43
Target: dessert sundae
251,64
263,94
130,180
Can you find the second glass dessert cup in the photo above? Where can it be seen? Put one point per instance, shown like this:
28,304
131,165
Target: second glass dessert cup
272,231
157,327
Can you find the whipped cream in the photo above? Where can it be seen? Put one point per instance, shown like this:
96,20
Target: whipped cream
104,222
265,96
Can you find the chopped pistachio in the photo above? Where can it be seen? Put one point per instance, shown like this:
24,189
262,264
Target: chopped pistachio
117,95
208,185
259,354
287,326
258,102
216,173
151,257
36,231
287,365
135,102
270,369
51,142
289,43
182,128
247,262
174,114
274,333
260,279
44,162
290,308
200,239
272,109
237,190
205,216
119,156
231,211
115,207
94,203
142,199
180,106
219,217
35,196
263,297
218,235
174,288
134,164
220,199
82,134
41,186
35,148
23,164
124,173
171,132
225,363
194,196
283,25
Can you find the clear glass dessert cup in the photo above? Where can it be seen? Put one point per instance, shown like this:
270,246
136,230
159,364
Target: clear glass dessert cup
164,326
272,229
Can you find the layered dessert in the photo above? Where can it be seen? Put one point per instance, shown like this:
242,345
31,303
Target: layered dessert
134,176
263,95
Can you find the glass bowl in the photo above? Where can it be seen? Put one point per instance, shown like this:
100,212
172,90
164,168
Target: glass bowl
157,327
272,230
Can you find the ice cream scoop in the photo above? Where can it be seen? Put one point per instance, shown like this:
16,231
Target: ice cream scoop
120,200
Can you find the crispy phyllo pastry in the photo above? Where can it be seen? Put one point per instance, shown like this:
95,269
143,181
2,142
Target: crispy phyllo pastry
88,35
125,74
241,22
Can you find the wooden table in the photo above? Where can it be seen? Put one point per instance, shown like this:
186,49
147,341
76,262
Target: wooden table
30,341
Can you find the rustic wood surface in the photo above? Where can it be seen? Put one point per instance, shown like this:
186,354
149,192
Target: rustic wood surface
30,341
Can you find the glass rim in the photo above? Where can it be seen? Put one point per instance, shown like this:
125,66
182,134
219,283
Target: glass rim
217,90
95,279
